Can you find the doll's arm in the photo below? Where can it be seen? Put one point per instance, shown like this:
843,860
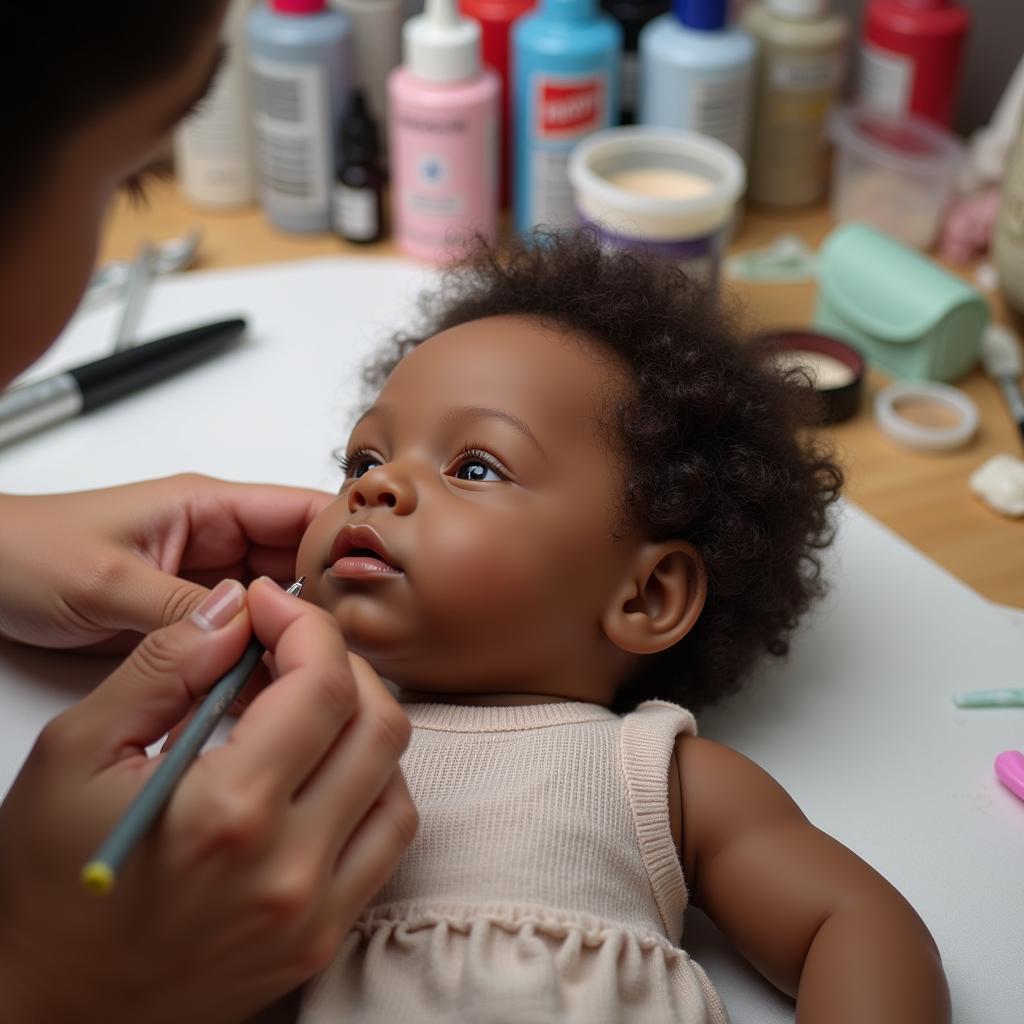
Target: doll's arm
813,918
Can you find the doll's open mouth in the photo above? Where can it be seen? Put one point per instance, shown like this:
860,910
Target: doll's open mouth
359,552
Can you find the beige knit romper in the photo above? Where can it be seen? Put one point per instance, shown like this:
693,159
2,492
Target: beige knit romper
543,884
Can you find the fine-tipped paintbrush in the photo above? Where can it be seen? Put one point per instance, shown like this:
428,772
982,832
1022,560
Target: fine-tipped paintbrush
1001,357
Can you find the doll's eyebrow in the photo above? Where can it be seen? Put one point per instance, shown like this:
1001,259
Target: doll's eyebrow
465,413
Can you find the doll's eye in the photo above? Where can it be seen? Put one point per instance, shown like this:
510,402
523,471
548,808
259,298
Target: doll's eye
480,467
357,464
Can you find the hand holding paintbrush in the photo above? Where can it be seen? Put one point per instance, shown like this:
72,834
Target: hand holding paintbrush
265,853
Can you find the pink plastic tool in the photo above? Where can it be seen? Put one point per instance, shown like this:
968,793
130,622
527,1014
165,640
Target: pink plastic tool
1010,771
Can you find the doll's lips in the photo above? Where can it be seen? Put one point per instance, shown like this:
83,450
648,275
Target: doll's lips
358,553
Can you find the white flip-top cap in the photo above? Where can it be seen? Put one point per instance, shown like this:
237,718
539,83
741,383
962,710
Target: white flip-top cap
803,9
441,45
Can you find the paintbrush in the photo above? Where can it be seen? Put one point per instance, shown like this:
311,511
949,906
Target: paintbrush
1001,357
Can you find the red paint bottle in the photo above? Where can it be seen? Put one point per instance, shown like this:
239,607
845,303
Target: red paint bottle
496,18
911,57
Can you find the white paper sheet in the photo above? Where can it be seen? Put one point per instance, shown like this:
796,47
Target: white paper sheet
858,724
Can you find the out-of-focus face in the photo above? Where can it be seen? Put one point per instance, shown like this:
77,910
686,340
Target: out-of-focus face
471,547
48,258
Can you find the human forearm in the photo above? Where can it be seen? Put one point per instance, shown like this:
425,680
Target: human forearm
873,963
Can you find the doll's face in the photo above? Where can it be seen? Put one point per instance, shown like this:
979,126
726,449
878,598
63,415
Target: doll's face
491,488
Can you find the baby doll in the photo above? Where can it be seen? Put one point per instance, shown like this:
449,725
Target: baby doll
577,511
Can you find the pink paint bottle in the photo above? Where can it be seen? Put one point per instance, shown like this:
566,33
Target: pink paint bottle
443,120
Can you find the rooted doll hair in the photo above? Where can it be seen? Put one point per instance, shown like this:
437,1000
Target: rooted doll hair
709,438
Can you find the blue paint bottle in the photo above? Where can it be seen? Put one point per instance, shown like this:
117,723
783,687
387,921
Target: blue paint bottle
565,72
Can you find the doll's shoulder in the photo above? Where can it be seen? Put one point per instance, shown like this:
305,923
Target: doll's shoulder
721,795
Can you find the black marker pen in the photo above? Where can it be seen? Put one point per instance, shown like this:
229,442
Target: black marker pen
30,407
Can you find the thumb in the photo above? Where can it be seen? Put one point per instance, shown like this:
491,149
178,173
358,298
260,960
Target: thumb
145,598
163,677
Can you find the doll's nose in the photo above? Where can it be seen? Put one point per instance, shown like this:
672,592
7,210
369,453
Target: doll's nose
383,485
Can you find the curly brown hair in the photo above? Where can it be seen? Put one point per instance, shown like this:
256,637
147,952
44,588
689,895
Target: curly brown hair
711,437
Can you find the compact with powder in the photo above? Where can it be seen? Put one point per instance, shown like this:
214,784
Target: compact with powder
835,369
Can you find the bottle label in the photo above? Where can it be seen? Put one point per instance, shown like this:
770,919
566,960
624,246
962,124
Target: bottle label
355,213
293,133
808,74
886,80
566,108
721,108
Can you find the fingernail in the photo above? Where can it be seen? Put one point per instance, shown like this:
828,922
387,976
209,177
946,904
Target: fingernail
222,604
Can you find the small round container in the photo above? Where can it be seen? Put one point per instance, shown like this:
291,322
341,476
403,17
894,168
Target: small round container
835,368
895,173
680,198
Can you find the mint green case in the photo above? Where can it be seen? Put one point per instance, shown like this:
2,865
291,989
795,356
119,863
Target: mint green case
906,315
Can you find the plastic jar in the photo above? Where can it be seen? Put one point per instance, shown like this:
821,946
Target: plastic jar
896,173
680,200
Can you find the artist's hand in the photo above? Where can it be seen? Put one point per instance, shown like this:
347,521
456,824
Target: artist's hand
268,850
81,568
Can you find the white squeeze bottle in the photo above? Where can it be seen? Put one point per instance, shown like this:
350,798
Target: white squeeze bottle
697,72
213,148
300,60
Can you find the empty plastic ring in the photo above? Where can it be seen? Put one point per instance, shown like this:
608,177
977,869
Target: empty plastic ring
953,415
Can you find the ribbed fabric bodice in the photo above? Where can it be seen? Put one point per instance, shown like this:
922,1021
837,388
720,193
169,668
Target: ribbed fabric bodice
544,841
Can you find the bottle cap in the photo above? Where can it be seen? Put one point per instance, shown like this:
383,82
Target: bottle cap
702,14
358,129
299,6
440,45
800,9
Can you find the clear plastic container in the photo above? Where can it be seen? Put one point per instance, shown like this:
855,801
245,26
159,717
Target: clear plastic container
897,174
667,190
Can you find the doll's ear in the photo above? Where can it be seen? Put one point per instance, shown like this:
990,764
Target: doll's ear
659,600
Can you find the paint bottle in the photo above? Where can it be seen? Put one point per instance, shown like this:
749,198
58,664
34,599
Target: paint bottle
443,116
911,57
632,16
698,73
800,70
359,185
565,72
213,148
496,18
301,64
376,48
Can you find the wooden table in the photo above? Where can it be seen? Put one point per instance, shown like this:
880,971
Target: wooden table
924,498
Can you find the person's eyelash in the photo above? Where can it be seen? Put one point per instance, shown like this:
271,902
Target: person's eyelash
136,185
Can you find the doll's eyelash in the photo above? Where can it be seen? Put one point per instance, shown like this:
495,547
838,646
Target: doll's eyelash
472,454
347,463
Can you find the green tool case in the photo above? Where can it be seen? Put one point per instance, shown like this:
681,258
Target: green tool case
904,313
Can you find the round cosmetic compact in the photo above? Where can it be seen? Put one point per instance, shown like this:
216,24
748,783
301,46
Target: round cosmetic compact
926,415
833,368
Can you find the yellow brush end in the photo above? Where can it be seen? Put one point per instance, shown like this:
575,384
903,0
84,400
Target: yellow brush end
98,877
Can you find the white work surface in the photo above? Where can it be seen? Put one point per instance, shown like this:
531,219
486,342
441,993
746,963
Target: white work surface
858,724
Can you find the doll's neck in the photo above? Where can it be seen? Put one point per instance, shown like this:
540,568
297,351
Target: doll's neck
479,699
